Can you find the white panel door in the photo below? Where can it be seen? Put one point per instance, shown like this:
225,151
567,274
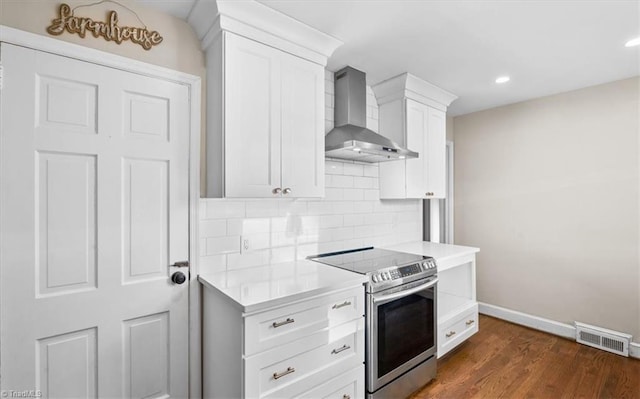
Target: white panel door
436,149
252,118
93,211
302,111
417,116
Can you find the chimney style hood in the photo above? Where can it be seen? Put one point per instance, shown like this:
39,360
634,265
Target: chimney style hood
350,139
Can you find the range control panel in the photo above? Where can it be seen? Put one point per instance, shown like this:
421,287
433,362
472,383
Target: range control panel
427,266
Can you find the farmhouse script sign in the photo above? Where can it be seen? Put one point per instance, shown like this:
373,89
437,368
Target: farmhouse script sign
109,29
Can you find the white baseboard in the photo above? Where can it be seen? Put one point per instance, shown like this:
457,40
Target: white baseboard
541,324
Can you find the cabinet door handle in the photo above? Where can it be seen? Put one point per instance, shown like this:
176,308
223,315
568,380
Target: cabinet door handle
276,190
288,371
282,323
345,396
450,334
429,194
341,305
340,349
470,322
286,191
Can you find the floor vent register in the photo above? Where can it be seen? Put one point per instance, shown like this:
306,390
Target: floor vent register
601,338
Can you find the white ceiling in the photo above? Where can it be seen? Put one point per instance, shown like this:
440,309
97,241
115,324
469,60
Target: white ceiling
545,46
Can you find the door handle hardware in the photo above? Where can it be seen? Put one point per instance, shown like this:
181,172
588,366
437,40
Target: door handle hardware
429,194
450,334
345,396
289,370
340,349
276,190
286,191
178,278
282,323
341,305
470,322
184,263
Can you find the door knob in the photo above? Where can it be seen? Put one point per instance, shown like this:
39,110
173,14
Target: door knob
286,190
276,190
178,278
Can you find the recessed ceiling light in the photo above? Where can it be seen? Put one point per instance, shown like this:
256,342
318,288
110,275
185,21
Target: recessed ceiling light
503,79
633,42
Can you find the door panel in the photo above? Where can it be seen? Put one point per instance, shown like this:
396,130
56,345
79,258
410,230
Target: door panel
417,132
302,127
252,118
67,365
66,224
436,148
93,211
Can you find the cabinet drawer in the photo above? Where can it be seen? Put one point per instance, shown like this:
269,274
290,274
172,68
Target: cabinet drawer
266,330
291,369
351,386
457,330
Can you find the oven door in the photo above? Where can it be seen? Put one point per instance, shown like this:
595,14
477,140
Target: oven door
401,331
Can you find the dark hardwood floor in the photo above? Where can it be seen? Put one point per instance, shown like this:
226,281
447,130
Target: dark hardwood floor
505,360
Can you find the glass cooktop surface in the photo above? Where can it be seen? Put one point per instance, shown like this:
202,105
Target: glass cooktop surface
367,260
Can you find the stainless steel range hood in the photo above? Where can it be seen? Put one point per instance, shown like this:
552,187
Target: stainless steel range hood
350,139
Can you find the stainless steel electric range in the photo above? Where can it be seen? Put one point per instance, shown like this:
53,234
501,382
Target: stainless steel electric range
401,318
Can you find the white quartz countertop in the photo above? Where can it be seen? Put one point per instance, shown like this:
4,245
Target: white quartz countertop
441,252
257,288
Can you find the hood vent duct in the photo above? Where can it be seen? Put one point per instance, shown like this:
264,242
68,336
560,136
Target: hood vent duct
350,139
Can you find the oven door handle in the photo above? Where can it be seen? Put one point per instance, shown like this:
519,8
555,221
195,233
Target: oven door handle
404,293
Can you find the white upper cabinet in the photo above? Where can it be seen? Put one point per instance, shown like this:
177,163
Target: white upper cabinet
265,105
412,112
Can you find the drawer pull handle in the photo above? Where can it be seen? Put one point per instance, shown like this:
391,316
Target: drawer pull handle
289,370
450,334
340,349
345,396
470,322
341,305
282,323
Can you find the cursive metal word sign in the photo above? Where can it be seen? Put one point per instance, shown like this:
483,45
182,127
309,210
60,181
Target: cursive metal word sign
109,30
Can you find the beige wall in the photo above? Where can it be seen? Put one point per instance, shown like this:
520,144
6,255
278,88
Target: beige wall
548,189
180,49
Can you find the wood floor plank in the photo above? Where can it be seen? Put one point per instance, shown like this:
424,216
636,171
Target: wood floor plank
505,360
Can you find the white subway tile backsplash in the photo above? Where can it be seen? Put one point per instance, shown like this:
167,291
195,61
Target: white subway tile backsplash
351,215
334,194
332,167
223,209
371,170
213,228
223,245
353,194
213,263
354,219
262,208
353,169
328,100
371,194
363,182
340,181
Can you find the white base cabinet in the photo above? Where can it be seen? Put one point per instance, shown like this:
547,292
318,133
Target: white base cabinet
311,348
457,305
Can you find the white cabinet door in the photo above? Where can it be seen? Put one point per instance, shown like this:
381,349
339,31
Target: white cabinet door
435,148
417,131
302,112
93,210
424,131
252,118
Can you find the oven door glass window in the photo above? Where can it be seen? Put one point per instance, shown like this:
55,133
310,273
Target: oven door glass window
405,330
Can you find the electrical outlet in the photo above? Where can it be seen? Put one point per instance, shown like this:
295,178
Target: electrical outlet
244,244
